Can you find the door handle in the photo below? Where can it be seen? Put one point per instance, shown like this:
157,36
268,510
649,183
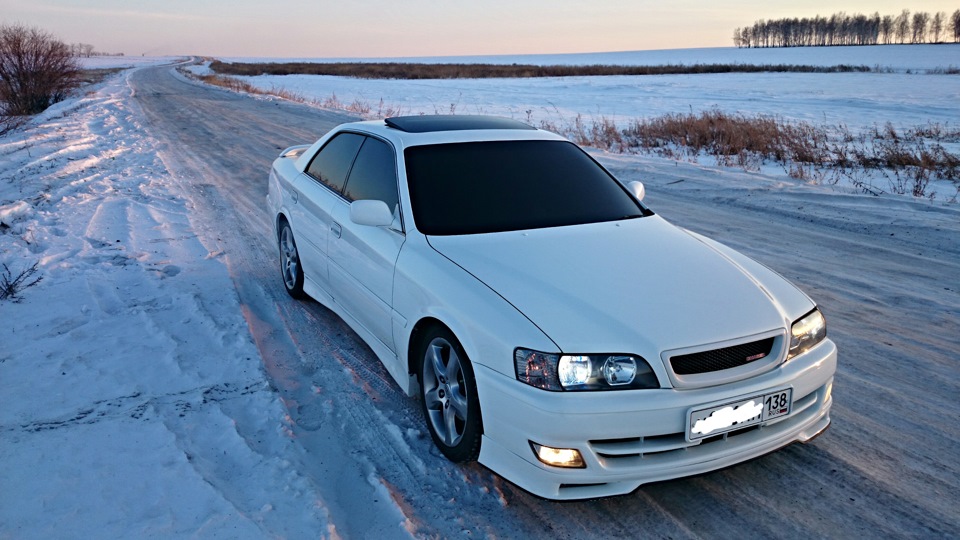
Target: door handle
336,229
296,196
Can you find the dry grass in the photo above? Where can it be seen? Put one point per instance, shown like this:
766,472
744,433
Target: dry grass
734,139
357,106
394,70
94,76
909,159
11,286
230,83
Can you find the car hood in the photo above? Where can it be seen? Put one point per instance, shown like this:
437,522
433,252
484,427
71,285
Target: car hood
638,286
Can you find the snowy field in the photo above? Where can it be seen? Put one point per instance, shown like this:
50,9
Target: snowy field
894,57
135,401
857,100
109,62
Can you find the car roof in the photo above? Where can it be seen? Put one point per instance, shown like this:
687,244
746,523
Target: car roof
408,131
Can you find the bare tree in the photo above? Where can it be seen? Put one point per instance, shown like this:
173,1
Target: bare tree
81,49
936,26
901,26
886,28
955,25
920,21
36,70
738,38
873,29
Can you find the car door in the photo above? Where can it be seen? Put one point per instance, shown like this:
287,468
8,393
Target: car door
315,192
362,257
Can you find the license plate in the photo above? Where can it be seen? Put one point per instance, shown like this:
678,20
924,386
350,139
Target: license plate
738,414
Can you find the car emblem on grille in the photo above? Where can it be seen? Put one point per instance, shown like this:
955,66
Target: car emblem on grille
755,357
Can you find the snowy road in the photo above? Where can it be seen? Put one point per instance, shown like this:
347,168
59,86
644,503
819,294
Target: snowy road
885,272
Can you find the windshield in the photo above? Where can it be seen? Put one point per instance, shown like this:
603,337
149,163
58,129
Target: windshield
482,187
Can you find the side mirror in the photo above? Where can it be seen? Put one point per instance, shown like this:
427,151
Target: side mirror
637,189
371,213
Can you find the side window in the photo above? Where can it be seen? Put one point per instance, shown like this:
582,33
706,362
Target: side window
332,163
374,175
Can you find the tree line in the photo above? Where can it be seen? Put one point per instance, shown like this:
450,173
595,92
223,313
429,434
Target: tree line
859,29
86,50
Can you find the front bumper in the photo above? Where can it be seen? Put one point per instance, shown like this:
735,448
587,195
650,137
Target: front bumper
629,438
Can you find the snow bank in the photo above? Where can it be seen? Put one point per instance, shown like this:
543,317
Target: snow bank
132,398
13,212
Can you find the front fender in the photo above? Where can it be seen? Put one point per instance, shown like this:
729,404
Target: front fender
427,285
277,203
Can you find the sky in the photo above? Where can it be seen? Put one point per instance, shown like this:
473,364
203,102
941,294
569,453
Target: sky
385,28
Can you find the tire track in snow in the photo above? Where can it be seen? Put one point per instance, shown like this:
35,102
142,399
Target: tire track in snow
218,161
136,406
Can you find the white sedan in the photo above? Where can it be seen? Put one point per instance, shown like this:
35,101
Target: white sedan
554,327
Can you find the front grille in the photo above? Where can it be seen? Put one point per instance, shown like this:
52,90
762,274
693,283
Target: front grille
718,359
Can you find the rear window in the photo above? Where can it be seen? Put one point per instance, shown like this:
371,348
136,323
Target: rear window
482,187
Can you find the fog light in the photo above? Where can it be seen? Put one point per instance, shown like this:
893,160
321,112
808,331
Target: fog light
558,457
829,392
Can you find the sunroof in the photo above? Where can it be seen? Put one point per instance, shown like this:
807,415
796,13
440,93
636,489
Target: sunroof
438,122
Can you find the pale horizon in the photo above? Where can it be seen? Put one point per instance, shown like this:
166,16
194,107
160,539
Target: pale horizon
380,28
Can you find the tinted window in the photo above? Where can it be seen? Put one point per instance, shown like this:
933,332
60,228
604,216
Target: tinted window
481,187
332,162
374,174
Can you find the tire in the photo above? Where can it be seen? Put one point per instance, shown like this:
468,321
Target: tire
448,390
290,269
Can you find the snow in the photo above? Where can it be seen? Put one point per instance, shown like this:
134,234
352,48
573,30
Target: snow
133,402
894,57
139,397
12,212
857,100
110,62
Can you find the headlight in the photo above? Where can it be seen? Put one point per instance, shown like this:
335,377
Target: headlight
583,372
807,332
